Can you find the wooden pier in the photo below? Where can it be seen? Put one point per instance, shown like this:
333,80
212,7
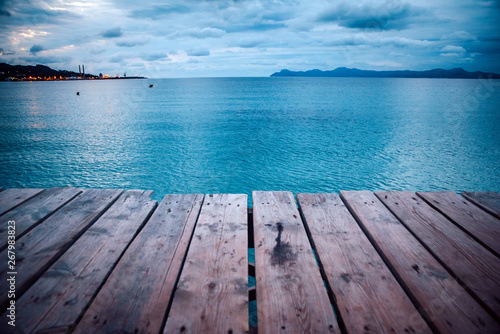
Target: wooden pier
114,261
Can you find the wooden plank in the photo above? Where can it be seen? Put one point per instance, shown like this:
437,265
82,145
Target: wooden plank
443,301
481,225
368,296
214,282
486,200
136,295
44,244
11,198
471,263
35,210
291,297
60,295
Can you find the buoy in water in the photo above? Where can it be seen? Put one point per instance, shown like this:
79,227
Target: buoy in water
150,86
77,93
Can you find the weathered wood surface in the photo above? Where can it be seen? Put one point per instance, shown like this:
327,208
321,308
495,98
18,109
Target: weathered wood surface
448,307
291,297
472,264
368,296
81,266
45,243
60,295
486,200
480,224
10,198
213,286
137,294
35,210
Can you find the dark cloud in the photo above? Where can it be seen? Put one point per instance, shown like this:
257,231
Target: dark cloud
97,51
382,17
31,13
157,12
252,43
3,11
116,59
129,44
36,48
155,56
254,26
207,32
46,60
278,15
113,33
198,53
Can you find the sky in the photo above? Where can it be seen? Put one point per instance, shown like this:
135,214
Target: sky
240,38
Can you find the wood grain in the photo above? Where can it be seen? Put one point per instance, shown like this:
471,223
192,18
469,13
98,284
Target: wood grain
60,295
368,296
10,198
444,302
470,262
214,282
483,226
486,200
35,210
45,243
136,295
291,297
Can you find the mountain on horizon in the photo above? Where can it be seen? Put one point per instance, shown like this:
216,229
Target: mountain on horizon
20,71
456,73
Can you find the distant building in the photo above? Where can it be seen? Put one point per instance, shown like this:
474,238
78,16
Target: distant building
100,76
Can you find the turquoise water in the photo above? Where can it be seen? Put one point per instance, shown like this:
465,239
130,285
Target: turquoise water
235,135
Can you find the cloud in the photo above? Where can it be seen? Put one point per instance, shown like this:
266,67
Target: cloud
3,12
97,51
157,12
249,43
371,17
254,26
6,52
36,48
384,63
113,33
281,15
46,60
207,32
155,56
459,36
296,34
129,44
198,53
363,39
453,49
34,13
116,59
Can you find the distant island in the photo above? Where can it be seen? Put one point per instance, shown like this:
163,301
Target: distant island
45,73
456,73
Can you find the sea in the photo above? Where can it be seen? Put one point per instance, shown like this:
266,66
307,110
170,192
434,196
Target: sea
236,135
